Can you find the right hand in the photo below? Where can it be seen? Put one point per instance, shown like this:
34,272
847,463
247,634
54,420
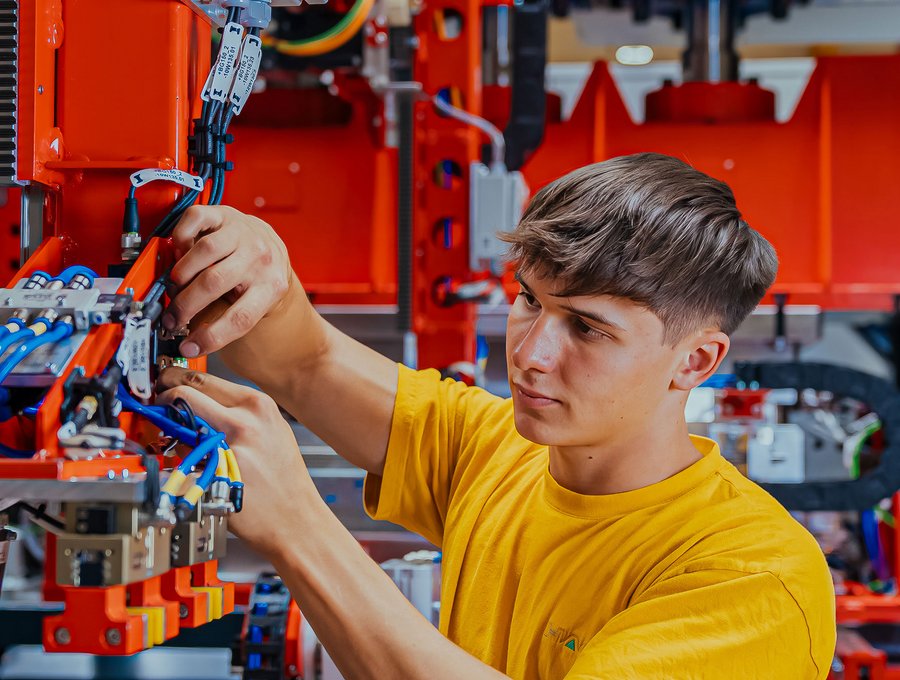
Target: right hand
231,270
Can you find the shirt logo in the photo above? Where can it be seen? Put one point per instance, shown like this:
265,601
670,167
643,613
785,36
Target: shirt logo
563,636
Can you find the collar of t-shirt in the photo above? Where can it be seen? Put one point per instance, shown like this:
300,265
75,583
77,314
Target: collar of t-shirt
606,505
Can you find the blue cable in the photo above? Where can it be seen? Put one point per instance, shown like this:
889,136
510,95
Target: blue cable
4,331
59,332
18,336
209,472
720,380
69,273
204,448
153,414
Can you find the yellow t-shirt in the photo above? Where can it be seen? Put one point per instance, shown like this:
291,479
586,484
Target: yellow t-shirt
702,575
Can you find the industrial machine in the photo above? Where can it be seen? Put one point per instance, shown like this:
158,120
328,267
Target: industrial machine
387,141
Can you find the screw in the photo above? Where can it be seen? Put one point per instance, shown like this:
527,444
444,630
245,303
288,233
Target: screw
183,611
62,636
60,300
40,89
68,553
113,636
108,552
8,301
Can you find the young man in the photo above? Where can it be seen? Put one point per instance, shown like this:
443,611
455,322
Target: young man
585,533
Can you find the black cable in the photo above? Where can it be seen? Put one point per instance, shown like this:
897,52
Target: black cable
205,146
41,515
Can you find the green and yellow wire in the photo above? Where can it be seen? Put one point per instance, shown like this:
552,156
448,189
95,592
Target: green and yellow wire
328,41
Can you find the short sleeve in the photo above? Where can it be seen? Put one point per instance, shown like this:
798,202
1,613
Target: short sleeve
433,426
711,625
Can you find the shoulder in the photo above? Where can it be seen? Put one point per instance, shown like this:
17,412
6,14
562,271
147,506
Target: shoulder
746,532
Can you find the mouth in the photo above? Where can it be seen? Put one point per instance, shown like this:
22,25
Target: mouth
532,398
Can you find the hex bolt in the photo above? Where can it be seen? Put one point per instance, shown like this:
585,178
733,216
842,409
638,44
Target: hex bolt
113,636
62,636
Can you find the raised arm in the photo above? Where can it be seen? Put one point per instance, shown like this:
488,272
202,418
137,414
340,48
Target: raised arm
236,291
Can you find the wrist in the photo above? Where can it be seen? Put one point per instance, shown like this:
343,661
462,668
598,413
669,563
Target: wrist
300,531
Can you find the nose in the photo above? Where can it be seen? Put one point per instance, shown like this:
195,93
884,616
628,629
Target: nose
539,346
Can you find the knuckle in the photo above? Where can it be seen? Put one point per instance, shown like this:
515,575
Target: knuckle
265,256
206,245
239,429
280,286
195,379
214,280
178,392
259,403
208,337
242,320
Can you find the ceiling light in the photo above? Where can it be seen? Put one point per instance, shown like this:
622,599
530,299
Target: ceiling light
634,55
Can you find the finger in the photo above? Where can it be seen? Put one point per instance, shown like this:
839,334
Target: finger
202,254
196,220
219,416
209,286
224,392
236,321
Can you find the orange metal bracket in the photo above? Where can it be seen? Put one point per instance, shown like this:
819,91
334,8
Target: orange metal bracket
95,621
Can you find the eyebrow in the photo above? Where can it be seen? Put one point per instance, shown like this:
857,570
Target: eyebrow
584,313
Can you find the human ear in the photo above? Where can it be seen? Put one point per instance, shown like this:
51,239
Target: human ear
701,358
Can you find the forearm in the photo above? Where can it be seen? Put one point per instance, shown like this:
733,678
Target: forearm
365,623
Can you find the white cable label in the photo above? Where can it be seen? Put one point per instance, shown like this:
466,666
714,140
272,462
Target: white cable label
207,86
123,355
251,56
223,72
181,177
139,375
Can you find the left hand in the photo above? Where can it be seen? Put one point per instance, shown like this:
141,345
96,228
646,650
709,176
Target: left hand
276,481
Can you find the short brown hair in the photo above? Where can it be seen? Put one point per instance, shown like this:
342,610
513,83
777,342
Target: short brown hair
652,229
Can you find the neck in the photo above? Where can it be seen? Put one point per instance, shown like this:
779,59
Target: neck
632,461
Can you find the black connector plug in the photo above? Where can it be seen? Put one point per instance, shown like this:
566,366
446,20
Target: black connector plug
131,222
236,496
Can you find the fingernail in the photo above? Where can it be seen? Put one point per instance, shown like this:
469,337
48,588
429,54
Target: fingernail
190,349
168,321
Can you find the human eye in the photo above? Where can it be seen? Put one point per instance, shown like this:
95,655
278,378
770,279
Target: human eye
587,330
530,300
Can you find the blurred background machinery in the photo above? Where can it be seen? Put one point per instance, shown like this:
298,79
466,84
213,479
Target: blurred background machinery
387,141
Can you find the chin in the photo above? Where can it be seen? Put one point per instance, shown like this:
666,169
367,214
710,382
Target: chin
536,430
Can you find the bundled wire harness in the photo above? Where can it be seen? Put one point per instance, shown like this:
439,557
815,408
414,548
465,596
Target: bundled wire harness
228,86
219,472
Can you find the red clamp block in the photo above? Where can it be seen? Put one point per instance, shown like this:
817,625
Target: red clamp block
205,579
146,598
193,606
96,621
860,659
